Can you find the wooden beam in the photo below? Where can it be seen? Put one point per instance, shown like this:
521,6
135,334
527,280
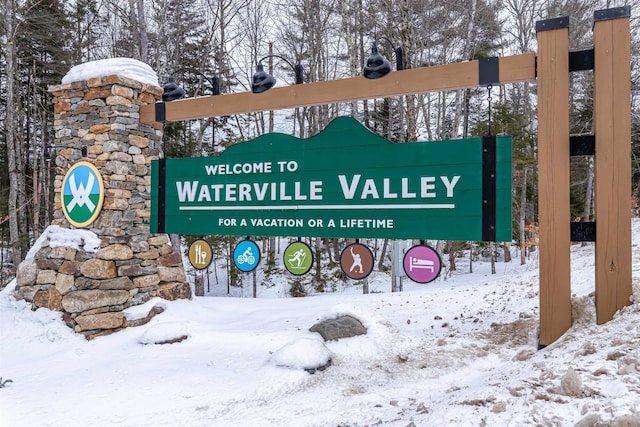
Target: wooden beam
612,125
553,180
461,75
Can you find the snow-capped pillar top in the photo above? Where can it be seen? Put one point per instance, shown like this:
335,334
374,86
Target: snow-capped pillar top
125,67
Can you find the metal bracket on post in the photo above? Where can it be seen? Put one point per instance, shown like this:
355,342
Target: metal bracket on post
582,145
583,231
581,60
612,13
489,188
552,24
488,71
161,112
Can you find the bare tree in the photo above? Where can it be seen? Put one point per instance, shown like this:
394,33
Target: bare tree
139,16
10,12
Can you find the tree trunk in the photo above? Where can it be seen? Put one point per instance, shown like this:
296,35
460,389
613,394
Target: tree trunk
175,243
452,256
462,113
589,192
346,13
271,253
492,245
327,245
135,28
46,172
199,284
383,252
507,252
142,28
10,125
523,210
254,276
231,276
366,116
319,280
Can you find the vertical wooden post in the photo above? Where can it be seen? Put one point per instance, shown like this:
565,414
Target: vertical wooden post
612,125
553,178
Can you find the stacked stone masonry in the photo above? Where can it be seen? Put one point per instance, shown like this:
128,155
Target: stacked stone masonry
101,115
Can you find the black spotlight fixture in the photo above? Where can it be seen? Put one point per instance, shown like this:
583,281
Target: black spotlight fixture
171,91
263,81
49,150
215,85
377,65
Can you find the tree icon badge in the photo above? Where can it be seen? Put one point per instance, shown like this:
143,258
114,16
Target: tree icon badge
82,194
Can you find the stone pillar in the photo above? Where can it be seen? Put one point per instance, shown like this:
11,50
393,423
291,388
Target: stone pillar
98,121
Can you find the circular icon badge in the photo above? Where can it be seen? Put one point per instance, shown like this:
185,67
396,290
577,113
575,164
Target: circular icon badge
200,254
356,261
422,264
82,194
246,256
298,258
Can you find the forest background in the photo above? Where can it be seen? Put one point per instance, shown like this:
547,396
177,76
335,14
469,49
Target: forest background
204,43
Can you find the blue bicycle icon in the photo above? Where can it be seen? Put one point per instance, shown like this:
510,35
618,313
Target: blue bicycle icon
246,255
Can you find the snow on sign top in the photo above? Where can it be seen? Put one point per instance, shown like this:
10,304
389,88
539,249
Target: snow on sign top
126,67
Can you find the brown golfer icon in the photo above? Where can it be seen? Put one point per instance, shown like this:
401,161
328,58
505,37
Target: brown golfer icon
356,261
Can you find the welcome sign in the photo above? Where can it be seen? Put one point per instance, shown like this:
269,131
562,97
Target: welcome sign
344,182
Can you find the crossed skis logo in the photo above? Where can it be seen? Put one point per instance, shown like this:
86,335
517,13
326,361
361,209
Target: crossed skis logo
82,194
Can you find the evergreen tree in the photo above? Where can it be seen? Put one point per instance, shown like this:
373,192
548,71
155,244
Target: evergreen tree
42,57
86,28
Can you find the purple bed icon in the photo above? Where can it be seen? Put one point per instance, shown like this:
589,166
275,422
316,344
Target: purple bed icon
422,264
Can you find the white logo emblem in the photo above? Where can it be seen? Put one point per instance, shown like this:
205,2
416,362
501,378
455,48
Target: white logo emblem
81,193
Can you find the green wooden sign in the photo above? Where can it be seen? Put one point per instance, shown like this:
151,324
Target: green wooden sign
344,182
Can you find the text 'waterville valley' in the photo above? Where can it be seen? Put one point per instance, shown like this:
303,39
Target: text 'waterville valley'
352,187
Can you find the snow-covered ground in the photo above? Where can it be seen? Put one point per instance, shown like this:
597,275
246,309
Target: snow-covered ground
460,351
